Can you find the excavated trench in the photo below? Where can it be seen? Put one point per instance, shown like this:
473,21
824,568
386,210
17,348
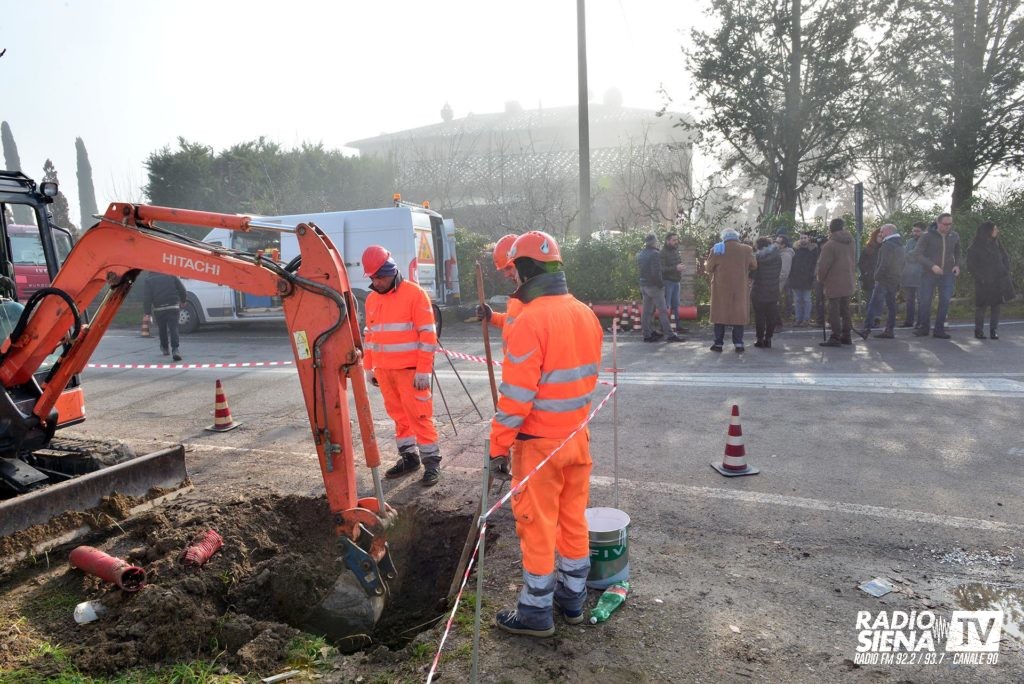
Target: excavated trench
247,604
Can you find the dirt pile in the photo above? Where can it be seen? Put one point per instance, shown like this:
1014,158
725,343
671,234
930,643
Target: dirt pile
279,558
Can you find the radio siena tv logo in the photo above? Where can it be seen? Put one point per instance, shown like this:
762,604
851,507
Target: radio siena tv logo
968,637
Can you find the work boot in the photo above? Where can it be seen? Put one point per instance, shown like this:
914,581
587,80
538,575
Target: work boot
674,338
715,347
431,474
920,332
941,335
886,334
759,344
510,621
408,462
979,334
864,334
992,334
175,355
846,339
832,342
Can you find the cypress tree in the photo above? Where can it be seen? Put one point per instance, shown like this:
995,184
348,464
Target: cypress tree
12,161
86,192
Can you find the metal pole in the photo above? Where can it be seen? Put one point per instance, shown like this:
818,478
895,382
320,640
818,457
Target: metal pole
459,378
584,118
480,561
447,410
615,405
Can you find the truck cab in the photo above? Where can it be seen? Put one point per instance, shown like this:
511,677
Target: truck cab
421,241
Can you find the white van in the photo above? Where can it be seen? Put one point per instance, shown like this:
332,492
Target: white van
419,239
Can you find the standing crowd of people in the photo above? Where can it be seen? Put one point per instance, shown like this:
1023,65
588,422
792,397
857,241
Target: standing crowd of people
777,278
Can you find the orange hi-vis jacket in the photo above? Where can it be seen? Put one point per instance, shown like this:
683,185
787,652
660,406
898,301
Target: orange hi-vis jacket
551,363
501,320
400,329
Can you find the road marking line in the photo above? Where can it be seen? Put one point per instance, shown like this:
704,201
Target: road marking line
898,514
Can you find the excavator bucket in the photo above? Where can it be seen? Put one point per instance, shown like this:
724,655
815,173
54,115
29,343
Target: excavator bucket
137,477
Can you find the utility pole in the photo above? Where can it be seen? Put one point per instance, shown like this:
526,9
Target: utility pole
584,121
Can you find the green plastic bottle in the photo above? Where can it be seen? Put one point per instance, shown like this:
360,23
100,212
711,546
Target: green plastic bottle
612,598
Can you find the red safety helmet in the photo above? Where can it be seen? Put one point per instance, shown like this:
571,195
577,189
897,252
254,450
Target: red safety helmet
537,245
501,261
374,257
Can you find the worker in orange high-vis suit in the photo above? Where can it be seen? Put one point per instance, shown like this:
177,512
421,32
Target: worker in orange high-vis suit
398,354
506,268
547,377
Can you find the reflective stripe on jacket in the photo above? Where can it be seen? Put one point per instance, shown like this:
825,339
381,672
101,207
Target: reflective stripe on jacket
400,329
552,356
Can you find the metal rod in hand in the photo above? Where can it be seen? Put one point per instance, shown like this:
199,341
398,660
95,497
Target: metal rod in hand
480,560
444,401
615,405
487,335
459,378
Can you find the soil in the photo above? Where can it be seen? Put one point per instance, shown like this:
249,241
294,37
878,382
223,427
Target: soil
710,601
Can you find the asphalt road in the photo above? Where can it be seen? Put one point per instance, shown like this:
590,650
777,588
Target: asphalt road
894,458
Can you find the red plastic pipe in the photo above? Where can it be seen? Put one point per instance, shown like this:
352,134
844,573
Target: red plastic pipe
108,568
200,550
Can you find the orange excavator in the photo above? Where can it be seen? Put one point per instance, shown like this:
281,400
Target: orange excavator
51,333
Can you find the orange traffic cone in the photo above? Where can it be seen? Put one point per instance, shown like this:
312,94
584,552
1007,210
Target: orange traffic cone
222,421
144,332
734,463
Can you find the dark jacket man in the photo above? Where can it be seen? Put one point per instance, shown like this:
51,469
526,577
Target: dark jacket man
648,262
935,249
162,291
805,258
670,259
891,258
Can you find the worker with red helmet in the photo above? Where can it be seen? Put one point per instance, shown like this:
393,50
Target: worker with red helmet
505,267
398,354
548,374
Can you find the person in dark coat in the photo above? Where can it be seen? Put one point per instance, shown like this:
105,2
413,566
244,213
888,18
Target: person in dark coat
938,252
837,272
888,270
672,274
910,280
163,297
989,263
764,294
801,277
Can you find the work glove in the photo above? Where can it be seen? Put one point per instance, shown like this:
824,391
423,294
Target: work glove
483,312
370,379
500,468
421,381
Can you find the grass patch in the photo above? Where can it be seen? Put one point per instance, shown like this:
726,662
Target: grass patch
308,652
50,604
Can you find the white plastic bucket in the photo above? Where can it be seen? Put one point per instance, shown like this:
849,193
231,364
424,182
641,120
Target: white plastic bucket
609,547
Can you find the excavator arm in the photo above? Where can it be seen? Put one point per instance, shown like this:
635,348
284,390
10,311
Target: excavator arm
317,302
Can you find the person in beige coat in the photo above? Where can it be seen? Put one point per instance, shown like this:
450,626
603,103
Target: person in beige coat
729,265
837,273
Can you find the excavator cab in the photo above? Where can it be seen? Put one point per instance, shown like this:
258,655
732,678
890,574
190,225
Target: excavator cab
31,253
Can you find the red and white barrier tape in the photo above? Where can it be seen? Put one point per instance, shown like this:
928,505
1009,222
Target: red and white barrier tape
187,366
483,527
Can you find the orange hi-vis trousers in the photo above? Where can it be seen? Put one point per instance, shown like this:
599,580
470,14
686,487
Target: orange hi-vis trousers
550,511
411,409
